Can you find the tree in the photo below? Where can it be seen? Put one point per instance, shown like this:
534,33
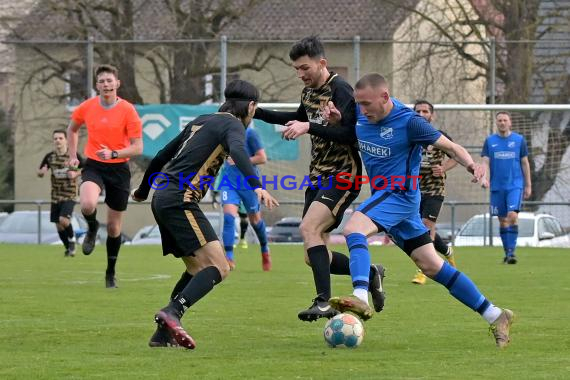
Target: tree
518,26
6,158
178,69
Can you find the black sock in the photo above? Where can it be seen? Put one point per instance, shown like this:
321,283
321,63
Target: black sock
113,246
340,264
242,226
181,284
70,233
319,259
91,220
64,239
439,245
198,287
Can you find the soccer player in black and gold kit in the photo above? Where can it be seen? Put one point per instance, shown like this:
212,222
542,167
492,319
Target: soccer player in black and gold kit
333,151
193,160
433,167
63,189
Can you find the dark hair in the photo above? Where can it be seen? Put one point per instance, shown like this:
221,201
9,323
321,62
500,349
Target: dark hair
423,101
309,46
60,131
107,69
238,94
371,80
504,113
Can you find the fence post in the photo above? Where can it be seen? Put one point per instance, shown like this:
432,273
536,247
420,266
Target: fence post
493,89
89,81
223,66
452,204
356,50
39,205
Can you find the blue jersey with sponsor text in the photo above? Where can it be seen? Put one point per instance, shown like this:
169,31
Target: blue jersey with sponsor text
252,145
505,154
392,147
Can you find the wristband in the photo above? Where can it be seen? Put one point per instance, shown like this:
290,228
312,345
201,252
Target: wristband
471,168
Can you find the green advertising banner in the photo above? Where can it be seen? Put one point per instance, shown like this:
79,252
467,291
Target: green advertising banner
162,122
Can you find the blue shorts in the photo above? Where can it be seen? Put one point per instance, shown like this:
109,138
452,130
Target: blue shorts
505,201
235,197
396,213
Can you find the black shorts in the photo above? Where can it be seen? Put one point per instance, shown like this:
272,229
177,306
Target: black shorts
114,178
183,229
61,209
335,199
431,206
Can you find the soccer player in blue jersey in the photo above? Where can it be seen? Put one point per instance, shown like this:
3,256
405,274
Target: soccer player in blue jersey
506,154
333,152
234,191
390,137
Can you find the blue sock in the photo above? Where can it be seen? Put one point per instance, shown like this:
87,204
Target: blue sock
462,288
513,234
504,232
259,229
229,235
359,260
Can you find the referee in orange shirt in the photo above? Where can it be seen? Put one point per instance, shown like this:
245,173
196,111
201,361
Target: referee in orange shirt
114,134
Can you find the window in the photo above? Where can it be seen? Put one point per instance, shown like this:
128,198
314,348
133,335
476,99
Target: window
479,226
550,225
74,88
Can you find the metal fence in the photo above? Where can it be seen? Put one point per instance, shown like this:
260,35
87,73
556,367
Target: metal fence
453,213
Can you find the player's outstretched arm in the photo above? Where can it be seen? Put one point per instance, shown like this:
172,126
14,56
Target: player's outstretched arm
280,117
460,154
267,199
155,166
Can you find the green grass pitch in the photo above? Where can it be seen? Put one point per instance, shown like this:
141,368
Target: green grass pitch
58,321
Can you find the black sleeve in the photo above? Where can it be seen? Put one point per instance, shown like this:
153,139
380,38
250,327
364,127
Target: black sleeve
280,117
158,162
81,161
45,161
344,133
235,143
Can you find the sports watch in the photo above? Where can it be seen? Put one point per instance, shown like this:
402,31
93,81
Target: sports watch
114,154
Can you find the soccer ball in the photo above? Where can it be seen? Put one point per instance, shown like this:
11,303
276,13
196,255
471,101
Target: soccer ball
344,330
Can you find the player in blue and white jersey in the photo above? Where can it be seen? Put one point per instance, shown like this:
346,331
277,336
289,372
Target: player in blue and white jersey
507,155
235,190
390,137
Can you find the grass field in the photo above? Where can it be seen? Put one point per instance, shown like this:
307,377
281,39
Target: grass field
58,320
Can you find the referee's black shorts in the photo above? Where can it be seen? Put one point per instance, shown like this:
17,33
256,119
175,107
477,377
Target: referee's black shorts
114,178
183,228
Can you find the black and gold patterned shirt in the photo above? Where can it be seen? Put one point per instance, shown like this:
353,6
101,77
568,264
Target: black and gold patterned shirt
333,147
192,160
63,188
430,184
